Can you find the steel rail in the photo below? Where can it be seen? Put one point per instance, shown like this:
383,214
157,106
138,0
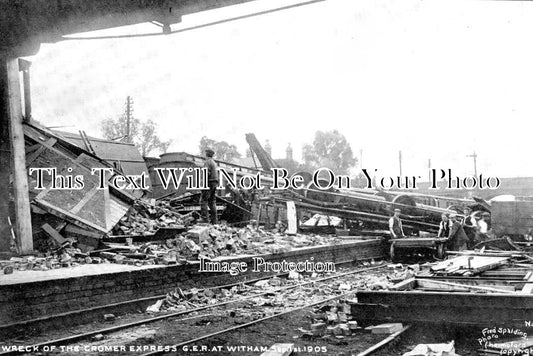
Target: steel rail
233,328
70,339
383,342
78,313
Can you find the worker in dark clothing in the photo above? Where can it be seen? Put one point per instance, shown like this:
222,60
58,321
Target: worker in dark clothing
395,225
444,226
458,238
208,197
470,226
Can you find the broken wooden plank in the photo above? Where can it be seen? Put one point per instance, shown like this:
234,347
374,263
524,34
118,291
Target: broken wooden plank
425,283
408,284
32,148
88,240
528,288
120,247
76,220
388,328
87,142
462,285
88,196
36,210
291,218
50,231
469,264
504,273
34,155
164,233
490,253
77,231
384,342
12,96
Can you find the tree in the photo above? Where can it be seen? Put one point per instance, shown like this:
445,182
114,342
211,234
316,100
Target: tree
142,134
116,129
223,150
290,165
149,141
329,149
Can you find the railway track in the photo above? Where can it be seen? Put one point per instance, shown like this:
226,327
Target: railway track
182,315
217,333
83,315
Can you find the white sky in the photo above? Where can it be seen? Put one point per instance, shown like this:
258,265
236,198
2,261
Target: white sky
435,79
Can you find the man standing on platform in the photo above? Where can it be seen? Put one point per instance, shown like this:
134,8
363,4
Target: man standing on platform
458,238
470,227
483,228
395,225
444,226
208,197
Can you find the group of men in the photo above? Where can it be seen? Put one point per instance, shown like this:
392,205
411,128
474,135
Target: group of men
462,232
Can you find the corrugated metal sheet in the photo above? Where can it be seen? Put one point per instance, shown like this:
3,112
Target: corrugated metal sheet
124,156
105,149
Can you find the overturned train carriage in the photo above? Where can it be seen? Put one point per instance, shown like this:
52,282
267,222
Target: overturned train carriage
370,210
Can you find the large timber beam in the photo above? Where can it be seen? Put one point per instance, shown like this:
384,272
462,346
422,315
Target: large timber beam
12,155
5,166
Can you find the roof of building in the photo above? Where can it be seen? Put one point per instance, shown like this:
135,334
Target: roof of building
106,149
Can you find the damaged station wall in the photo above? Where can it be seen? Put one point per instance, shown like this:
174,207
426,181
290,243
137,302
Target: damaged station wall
90,212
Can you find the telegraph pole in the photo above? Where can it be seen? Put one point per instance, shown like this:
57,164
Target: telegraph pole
474,156
129,112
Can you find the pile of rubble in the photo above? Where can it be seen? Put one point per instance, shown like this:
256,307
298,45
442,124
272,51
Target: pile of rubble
199,241
65,257
211,241
220,240
179,300
266,293
332,319
145,218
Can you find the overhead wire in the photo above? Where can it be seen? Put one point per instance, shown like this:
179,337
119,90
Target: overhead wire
219,22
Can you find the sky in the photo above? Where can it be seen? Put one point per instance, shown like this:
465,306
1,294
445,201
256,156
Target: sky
436,80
